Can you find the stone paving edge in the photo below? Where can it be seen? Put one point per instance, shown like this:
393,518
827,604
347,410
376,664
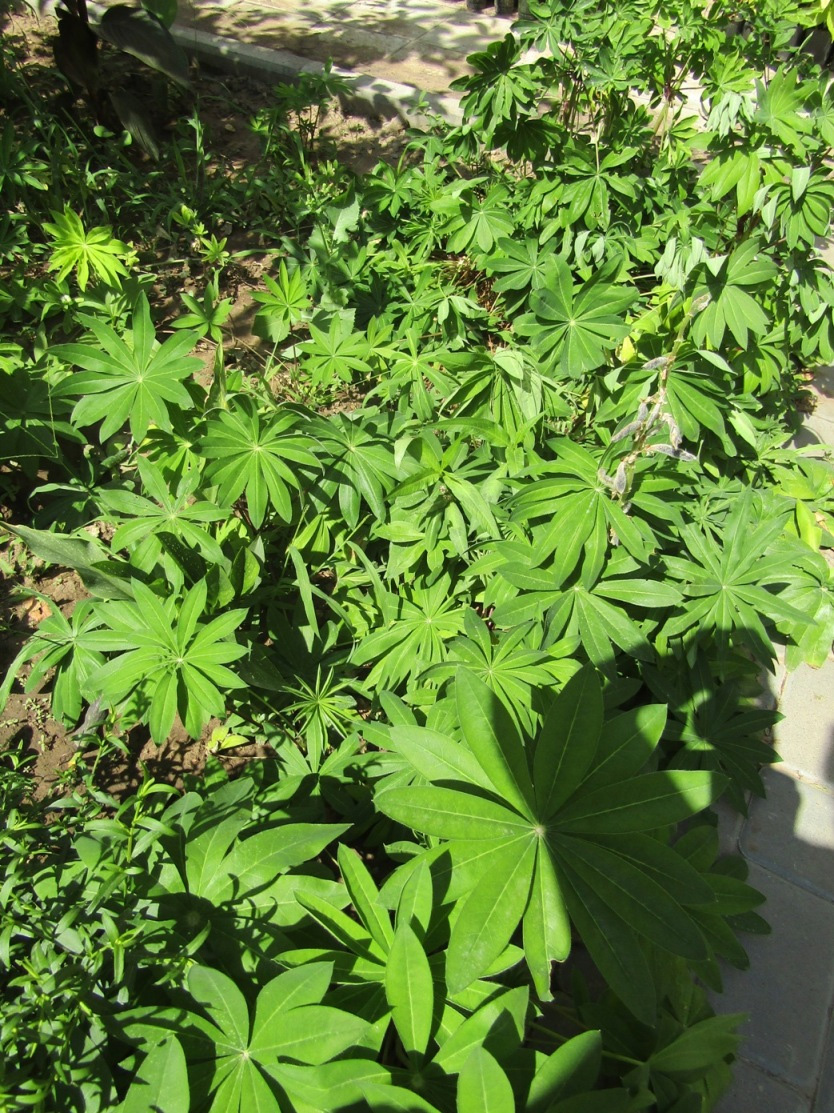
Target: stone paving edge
375,95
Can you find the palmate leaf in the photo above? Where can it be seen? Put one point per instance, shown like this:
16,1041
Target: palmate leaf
725,585
340,353
130,379
716,726
521,267
481,221
575,611
163,649
288,1025
259,455
574,327
283,304
726,280
427,616
59,643
538,856
77,249
361,464
510,663
579,514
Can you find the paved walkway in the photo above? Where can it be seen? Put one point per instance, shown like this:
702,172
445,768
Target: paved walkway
419,42
787,1058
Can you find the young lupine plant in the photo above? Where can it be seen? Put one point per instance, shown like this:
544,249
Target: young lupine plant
168,659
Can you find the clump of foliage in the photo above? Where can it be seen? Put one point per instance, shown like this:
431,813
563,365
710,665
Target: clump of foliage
495,579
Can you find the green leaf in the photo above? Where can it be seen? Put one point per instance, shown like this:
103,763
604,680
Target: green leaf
437,757
305,985
625,746
345,930
258,454
700,1047
576,325
546,927
639,593
160,1084
409,989
570,1069
450,814
614,948
567,741
128,380
365,897
82,554
499,1025
483,1087
317,1085
642,803
79,249
416,899
223,1002
283,304
255,861
311,1034
243,1087
490,914
390,1099
493,738
637,899
665,866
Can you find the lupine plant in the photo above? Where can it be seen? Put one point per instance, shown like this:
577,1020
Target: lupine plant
488,556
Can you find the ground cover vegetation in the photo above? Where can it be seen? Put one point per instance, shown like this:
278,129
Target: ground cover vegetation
488,547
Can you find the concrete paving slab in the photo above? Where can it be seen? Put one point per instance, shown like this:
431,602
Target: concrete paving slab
754,1091
409,22
249,22
805,737
464,36
432,74
824,384
825,1092
817,429
349,46
788,991
730,826
791,832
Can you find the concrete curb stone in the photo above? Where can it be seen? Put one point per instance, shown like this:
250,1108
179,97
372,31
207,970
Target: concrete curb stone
377,95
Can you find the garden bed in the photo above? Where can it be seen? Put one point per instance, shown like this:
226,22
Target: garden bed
456,502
